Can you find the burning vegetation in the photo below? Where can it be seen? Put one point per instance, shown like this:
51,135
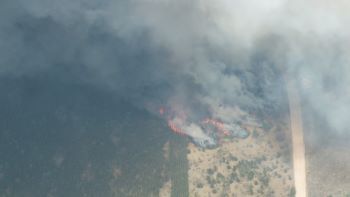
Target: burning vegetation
206,133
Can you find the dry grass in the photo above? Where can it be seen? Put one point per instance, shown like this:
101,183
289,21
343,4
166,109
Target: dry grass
271,173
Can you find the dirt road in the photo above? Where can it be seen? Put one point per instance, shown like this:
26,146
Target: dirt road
297,139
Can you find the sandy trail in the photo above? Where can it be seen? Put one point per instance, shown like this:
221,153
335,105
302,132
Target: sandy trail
297,140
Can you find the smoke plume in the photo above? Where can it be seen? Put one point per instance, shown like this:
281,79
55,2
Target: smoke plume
223,59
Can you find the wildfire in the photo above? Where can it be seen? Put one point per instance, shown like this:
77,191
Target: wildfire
174,128
206,133
181,115
161,111
172,125
218,124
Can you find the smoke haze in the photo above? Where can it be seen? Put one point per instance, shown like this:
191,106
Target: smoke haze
200,55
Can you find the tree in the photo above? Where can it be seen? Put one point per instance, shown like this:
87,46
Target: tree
292,192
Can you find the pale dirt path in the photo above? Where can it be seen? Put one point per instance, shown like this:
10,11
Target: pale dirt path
297,140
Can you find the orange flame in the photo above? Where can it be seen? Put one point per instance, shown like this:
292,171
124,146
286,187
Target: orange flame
161,111
174,128
168,115
218,124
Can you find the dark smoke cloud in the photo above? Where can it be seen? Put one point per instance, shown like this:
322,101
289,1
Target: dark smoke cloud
194,53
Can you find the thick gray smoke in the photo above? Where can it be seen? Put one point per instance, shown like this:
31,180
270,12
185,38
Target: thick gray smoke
200,55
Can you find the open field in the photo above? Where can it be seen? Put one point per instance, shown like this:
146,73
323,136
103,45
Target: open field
256,166
328,160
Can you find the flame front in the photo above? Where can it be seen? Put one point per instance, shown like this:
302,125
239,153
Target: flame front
174,128
220,126
209,132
